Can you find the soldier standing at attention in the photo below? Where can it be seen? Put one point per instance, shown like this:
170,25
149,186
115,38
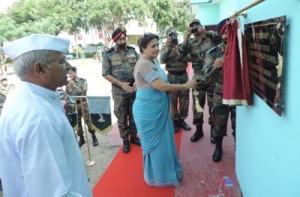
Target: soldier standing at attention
196,48
176,65
78,87
220,112
117,67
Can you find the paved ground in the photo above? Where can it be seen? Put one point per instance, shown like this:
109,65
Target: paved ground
97,86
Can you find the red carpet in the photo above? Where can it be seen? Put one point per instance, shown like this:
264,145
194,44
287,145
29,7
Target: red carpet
125,176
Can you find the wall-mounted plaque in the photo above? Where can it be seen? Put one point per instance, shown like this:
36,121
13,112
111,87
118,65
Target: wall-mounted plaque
265,43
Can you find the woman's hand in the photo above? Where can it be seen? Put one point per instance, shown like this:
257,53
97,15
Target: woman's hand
190,84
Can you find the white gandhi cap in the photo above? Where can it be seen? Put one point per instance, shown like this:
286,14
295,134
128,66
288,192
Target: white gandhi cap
36,42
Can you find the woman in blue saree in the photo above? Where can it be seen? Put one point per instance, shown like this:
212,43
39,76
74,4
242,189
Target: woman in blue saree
151,111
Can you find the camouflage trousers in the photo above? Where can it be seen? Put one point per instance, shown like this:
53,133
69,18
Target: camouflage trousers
123,103
86,117
205,87
220,113
179,100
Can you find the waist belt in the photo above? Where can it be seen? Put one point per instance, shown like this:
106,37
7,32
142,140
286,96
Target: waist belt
177,72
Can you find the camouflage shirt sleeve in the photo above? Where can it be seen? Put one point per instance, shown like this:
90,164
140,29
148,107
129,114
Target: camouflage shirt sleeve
106,64
164,54
214,36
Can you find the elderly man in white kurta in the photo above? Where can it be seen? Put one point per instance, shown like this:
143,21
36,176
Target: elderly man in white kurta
39,155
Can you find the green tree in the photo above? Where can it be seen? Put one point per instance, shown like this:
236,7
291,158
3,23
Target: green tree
113,13
8,29
168,13
47,16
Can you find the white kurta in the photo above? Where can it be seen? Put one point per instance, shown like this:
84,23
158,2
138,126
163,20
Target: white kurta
39,155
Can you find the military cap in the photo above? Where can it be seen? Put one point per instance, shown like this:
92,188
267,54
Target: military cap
222,26
195,21
170,31
36,42
117,33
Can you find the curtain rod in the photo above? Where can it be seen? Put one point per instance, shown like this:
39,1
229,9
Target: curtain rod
241,11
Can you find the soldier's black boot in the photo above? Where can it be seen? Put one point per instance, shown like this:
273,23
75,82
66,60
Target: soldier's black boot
81,141
126,146
212,138
95,141
176,126
135,140
184,125
217,156
198,134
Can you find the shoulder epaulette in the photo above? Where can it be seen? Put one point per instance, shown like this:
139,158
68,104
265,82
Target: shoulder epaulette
81,78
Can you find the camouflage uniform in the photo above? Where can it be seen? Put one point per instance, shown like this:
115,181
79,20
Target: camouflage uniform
196,52
70,106
176,67
220,112
80,89
121,67
7,90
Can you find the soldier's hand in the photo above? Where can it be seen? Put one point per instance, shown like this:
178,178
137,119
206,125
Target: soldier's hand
72,83
187,34
126,87
174,51
218,63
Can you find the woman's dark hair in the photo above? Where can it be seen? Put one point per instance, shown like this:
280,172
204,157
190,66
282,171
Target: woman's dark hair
144,41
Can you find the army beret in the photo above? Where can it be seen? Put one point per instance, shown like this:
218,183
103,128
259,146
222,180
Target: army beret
222,26
36,42
117,33
195,21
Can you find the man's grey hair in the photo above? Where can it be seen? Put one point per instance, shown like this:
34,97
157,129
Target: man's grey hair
24,63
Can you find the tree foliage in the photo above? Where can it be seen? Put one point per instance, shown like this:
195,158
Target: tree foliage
113,13
52,16
168,13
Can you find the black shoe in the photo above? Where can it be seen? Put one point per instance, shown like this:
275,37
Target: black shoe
135,140
217,156
95,141
176,128
81,141
184,125
126,146
198,134
212,138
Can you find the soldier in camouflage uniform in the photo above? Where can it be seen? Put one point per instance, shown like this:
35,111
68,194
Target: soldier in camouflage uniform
196,49
117,67
5,87
176,64
214,60
67,102
78,87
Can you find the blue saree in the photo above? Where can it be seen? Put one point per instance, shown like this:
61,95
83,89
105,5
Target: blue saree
151,111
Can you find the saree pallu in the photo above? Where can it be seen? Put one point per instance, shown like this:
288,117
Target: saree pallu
151,111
